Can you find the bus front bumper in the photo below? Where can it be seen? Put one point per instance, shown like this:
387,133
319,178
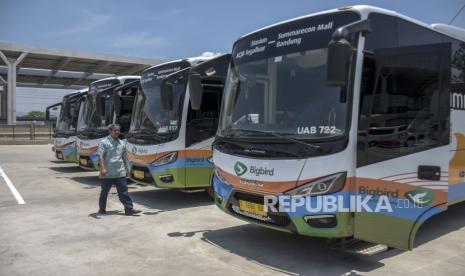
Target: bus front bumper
300,221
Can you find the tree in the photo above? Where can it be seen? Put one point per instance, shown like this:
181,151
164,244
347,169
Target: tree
36,114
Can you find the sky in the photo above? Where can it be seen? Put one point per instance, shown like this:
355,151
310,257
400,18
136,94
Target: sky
168,29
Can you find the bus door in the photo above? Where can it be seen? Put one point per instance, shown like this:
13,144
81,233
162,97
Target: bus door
200,129
403,142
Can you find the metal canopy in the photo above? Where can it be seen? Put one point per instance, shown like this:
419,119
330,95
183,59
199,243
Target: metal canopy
83,68
31,66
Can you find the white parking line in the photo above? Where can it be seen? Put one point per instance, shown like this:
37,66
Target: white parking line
13,190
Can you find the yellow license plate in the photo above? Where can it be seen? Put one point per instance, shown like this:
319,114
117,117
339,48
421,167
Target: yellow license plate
83,161
253,208
138,174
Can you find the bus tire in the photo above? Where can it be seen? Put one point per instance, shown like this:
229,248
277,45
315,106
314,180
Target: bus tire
211,192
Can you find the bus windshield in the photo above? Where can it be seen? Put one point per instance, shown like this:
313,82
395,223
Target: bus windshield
92,119
150,117
68,118
277,83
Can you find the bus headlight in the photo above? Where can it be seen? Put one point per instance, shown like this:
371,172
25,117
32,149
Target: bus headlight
322,186
220,176
166,159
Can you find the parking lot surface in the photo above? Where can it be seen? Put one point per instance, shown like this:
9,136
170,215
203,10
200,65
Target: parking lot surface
58,232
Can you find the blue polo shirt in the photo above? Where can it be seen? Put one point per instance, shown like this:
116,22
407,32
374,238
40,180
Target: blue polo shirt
112,152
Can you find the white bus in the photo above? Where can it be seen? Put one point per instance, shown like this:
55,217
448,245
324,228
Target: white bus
108,101
65,132
357,103
169,142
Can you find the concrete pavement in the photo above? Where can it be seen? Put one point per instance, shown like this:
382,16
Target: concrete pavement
57,232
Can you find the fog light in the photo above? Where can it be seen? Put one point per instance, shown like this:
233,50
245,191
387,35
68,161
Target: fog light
167,178
321,221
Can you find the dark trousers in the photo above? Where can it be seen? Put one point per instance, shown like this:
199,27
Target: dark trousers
121,187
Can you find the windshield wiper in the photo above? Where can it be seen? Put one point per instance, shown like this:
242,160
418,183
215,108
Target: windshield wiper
151,134
277,135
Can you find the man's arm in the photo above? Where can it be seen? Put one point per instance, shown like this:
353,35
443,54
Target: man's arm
103,170
101,160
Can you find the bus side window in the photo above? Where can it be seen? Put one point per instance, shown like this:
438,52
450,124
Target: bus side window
404,98
404,106
202,124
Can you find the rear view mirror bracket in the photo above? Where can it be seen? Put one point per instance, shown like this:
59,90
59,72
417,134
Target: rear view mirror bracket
340,52
52,107
363,26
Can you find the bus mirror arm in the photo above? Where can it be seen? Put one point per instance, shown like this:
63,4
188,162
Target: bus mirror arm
363,26
52,107
340,52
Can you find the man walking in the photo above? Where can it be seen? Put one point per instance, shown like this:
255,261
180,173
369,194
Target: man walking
112,171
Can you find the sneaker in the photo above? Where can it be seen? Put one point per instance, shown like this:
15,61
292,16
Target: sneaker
130,212
102,212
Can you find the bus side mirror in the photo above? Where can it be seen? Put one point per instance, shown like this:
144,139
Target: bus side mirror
117,104
100,108
67,110
213,69
340,52
52,107
166,93
338,61
195,90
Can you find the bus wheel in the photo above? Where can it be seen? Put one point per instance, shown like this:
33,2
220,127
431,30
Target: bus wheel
210,191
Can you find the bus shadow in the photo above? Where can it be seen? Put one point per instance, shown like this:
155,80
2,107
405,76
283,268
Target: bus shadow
291,254
305,255
152,198
441,224
90,180
67,169
58,161
93,181
170,200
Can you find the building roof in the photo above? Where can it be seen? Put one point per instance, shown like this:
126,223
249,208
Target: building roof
58,68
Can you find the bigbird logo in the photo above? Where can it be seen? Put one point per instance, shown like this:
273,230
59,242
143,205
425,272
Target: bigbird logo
421,197
240,168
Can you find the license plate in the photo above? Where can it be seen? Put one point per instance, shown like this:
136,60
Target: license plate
60,156
83,161
252,208
138,174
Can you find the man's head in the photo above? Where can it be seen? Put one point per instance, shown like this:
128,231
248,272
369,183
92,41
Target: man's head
114,130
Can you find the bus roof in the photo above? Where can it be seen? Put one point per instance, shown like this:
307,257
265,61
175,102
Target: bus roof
192,60
365,10
120,78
